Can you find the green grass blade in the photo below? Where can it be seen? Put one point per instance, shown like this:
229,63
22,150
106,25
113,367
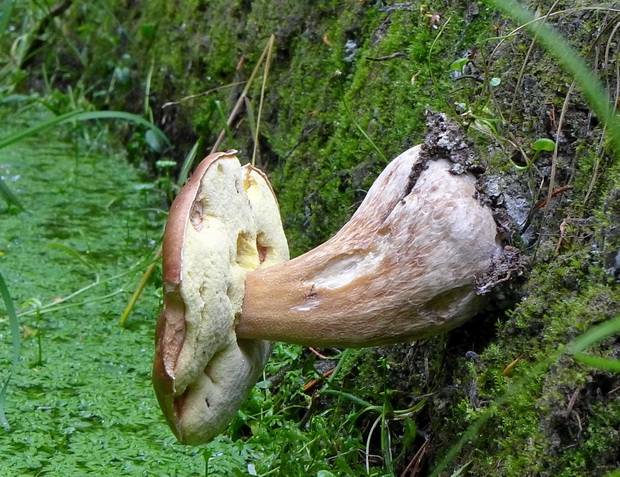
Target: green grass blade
353,398
362,132
71,251
82,116
8,195
10,310
605,364
595,334
3,419
473,431
188,163
571,60
148,112
5,15
222,115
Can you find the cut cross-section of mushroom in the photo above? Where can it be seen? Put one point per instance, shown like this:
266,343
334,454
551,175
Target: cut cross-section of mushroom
403,268
224,224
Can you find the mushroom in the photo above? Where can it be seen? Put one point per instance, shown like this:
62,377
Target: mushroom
223,224
403,268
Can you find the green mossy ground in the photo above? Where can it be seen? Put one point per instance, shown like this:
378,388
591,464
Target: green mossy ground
80,401
558,419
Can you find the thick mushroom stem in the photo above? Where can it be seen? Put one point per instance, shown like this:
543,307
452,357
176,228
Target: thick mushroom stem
403,268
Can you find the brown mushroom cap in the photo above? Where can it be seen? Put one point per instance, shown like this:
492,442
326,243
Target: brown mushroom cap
403,268
223,224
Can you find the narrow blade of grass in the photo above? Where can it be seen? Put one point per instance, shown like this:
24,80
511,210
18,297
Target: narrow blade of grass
81,116
595,334
5,15
188,163
148,112
362,132
226,125
14,323
353,398
138,291
605,364
71,251
8,195
269,47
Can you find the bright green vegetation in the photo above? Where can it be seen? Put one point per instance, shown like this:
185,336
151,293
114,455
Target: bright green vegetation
81,400
499,396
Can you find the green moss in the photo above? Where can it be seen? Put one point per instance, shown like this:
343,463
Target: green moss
320,85
550,425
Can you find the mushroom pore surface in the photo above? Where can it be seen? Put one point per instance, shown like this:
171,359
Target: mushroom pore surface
224,224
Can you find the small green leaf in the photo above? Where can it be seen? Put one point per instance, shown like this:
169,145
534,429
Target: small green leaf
8,195
263,384
495,82
543,144
459,64
165,164
147,30
143,186
458,472
122,75
153,141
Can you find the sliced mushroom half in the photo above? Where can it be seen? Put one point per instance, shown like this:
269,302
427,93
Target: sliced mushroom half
224,224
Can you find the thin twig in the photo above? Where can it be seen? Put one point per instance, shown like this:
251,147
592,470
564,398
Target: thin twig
138,291
598,155
554,160
525,61
476,78
272,39
398,54
241,99
415,465
312,384
408,7
555,14
559,190
204,93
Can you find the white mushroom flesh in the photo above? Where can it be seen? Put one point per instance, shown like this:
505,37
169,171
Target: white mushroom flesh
234,227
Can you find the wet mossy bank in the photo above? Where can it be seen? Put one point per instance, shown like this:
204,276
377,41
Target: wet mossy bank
348,87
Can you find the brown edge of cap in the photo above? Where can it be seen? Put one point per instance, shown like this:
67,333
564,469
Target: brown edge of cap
170,330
